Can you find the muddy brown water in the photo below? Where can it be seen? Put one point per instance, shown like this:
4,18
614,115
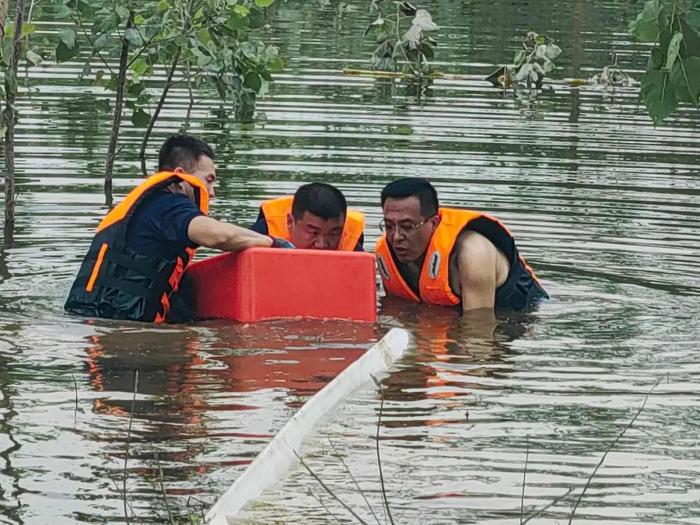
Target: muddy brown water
604,206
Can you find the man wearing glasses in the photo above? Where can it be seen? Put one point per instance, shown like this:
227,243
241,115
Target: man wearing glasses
315,218
449,256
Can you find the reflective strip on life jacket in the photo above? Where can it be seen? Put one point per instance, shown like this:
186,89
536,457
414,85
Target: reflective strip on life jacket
99,278
276,212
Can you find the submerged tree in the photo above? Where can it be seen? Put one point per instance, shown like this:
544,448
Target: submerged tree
673,70
399,45
10,56
530,65
195,41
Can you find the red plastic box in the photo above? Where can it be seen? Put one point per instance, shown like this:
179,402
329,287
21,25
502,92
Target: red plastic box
266,283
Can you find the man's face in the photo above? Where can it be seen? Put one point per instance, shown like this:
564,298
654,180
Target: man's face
205,171
311,232
407,231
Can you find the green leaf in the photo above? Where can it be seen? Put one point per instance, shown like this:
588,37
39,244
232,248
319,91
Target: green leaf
107,24
33,57
693,19
28,29
685,79
657,95
10,30
645,27
236,22
275,65
163,6
65,53
241,10
140,67
113,82
519,57
135,89
264,3
68,37
140,118
552,51
257,19
248,49
203,36
673,49
252,81
63,11
100,42
85,9
123,12
134,37
691,40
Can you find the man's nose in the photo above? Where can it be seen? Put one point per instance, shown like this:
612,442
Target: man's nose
212,193
321,243
396,234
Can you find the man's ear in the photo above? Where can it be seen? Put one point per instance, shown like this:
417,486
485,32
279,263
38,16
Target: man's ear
290,222
434,221
179,170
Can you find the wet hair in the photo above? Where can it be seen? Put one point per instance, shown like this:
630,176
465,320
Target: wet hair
413,187
323,200
182,151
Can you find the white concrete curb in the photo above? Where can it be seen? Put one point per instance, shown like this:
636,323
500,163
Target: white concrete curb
273,462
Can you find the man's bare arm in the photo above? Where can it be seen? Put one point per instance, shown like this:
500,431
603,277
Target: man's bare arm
211,233
477,272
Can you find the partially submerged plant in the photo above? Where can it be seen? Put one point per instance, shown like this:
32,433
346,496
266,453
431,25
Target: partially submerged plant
612,75
530,65
409,50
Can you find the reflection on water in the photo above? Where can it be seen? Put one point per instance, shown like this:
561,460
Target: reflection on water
605,207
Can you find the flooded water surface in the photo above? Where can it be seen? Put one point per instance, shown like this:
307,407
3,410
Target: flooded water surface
605,207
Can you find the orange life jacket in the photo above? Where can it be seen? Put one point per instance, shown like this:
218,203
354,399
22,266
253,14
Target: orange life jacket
276,212
113,280
434,281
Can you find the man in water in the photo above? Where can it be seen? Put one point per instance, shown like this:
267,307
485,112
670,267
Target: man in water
135,264
315,218
449,256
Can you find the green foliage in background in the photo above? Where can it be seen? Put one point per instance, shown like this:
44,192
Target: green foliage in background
208,41
673,70
29,54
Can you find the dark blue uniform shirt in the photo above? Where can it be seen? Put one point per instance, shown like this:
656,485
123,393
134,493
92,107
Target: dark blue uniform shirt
159,225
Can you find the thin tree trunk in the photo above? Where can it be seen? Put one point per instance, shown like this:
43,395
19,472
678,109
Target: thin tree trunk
117,117
4,6
8,119
154,117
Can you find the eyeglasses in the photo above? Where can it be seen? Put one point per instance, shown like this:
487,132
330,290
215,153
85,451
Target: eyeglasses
405,228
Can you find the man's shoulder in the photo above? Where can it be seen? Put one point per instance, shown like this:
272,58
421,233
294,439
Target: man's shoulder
164,200
474,243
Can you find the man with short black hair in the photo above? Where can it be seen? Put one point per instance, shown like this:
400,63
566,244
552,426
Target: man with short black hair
315,218
134,267
449,256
